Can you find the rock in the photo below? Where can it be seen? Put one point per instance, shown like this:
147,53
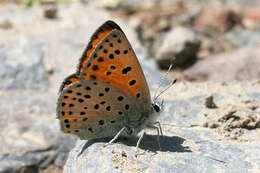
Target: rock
212,44
242,37
50,9
252,19
209,103
187,146
22,66
218,18
50,12
179,46
241,64
5,24
28,118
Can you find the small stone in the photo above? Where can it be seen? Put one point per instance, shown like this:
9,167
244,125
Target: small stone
5,24
51,12
179,46
209,103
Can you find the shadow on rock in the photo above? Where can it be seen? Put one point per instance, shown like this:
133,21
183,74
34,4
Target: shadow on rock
168,143
149,142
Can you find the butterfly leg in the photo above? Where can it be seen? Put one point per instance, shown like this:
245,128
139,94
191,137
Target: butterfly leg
139,140
115,137
159,126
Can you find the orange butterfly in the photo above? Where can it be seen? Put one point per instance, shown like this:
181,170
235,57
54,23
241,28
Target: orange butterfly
108,96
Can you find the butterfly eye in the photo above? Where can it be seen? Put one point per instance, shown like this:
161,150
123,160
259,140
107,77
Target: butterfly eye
156,108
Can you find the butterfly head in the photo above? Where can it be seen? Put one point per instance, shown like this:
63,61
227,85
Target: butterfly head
157,106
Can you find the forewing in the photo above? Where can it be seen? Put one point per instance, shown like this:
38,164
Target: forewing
95,39
113,61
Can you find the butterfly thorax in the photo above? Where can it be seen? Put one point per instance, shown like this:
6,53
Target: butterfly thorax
146,120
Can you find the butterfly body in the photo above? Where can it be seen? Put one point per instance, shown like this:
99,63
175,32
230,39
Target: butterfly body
108,92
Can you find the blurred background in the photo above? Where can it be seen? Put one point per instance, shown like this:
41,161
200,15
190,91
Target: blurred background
42,40
205,40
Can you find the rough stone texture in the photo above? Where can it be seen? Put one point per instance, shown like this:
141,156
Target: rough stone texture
21,66
179,45
242,37
212,45
30,136
186,146
218,17
232,118
241,64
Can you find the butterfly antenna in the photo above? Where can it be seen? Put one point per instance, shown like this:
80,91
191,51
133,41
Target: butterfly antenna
161,81
169,86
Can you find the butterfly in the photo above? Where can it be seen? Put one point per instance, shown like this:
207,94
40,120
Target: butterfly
108,96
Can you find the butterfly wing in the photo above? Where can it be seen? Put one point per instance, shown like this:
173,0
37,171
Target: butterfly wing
68,81
93,109
95,39
113,61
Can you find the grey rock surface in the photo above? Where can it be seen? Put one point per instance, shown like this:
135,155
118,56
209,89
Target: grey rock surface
241,64
21,66
242,37
30,136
